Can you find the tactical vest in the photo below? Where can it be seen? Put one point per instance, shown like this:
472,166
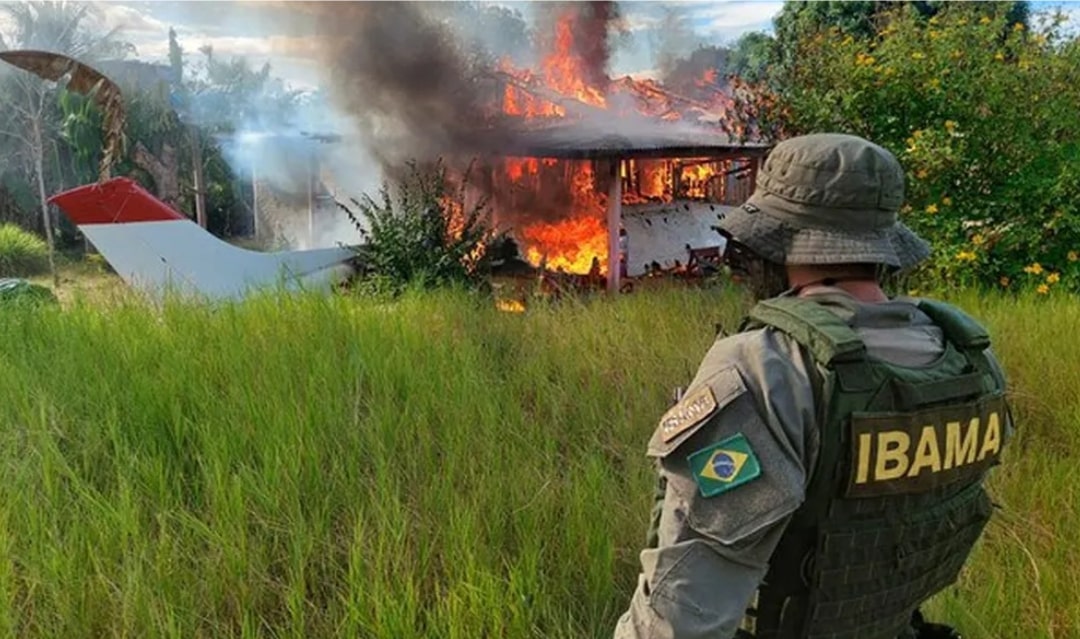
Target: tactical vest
896,502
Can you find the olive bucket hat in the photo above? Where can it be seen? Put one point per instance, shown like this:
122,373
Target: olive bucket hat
827,198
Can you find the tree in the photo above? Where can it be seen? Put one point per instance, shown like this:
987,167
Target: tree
985,126
861,19
751,56
51,26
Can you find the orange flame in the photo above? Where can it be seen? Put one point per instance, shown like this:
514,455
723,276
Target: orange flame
571,245
578,242
510,306
708,78
565,72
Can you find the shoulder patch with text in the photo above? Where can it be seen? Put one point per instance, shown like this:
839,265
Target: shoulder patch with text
689,411
724,465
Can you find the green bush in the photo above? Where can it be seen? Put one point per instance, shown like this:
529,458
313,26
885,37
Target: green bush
982,113
21,252
19,292
427,238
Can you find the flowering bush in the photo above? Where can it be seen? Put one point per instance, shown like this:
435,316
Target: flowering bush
983,116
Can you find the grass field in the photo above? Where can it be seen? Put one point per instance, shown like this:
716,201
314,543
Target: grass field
329,467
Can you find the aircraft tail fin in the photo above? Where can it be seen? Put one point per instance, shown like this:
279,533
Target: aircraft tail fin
153,247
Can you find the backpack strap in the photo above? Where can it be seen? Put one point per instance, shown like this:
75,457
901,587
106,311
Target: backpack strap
831,341
963,331
823,332
960,328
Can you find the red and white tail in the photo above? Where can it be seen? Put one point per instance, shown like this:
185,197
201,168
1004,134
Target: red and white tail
154,248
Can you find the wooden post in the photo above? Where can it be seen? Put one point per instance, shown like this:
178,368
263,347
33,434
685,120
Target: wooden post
614,223
313,165
200,189
254,199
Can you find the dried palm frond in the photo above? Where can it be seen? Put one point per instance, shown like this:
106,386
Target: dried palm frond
84,79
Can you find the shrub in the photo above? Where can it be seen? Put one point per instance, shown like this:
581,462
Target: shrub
426,238
981,112
19,292
21,252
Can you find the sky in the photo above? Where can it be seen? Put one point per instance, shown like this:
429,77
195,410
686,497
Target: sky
276,32
270,31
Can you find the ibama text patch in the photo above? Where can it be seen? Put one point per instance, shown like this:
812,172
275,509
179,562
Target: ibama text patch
914,452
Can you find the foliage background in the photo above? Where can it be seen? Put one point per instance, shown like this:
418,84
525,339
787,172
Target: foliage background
977,100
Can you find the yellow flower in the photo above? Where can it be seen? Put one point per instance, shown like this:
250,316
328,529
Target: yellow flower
984,20
999,56
1073,256
950,126
1053,278
947,201
1034,269
933,83
1019,26
966,256
848,40
1043,289
934,34
1004,281
933,20
962,21
918,55
978,239
931,208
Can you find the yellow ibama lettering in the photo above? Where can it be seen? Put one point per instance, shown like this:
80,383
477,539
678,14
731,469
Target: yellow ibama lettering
992,438
957,451
927,453
892,447
863,471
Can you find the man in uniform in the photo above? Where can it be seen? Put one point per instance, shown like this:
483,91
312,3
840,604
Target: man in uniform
822,475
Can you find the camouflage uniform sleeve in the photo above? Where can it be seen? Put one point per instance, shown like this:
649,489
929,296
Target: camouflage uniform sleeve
734,457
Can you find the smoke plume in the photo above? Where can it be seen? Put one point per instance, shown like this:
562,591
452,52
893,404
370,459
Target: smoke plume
415,91
410,88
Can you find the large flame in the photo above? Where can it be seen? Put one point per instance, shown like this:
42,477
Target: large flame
575,238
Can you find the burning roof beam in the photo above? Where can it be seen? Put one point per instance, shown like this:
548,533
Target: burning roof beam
572,106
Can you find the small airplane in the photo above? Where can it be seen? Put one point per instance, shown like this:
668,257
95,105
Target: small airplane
155,249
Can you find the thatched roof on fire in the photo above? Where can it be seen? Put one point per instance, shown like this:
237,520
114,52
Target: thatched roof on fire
648,121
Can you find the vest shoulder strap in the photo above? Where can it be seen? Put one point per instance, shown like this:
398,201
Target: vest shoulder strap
817,328
959,327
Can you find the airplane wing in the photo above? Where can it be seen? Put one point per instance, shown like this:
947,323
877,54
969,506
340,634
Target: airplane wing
154,248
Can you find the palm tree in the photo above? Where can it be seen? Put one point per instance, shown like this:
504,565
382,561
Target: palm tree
58,27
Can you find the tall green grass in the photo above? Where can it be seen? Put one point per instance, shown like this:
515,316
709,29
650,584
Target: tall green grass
325,467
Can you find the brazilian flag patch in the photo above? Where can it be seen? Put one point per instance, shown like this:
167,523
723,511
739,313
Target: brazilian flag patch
724,465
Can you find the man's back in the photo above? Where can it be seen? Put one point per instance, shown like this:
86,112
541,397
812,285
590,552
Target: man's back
737,487
822,475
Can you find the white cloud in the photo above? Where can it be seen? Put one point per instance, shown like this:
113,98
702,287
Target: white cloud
7,26
729,16
128,20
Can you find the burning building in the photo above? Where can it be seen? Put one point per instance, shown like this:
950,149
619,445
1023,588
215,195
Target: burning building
618,175
588,173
